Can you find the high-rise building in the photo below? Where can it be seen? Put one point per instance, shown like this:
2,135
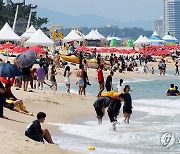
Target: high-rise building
158,27
172,17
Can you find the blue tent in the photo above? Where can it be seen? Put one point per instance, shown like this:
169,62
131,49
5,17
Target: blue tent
156,39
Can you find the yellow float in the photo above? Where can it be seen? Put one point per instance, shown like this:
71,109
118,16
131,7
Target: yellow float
9,101
110,94
91,148
72,58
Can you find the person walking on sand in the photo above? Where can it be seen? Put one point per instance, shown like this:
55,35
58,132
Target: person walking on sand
26,77
80,81
108,85
100,105
127,108
100,80
53,77
177,68
114,109
67,74
40,76
35,132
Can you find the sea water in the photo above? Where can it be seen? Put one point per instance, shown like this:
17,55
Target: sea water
154,114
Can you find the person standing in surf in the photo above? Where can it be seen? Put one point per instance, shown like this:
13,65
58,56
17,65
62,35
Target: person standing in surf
100,105
114,109
127,108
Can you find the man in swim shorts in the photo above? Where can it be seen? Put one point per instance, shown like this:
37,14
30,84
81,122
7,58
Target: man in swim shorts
80,79
114,109
99,105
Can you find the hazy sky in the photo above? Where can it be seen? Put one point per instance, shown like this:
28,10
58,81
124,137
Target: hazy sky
123,10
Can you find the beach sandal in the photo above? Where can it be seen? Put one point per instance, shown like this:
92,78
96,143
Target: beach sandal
30,91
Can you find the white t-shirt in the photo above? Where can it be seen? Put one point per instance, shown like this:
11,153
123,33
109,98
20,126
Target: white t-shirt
120,88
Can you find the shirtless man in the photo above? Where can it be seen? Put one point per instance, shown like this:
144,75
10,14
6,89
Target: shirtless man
80,81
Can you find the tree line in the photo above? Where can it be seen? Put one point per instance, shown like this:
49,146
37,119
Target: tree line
7,13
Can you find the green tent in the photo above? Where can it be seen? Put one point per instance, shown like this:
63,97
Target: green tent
130,43
113,43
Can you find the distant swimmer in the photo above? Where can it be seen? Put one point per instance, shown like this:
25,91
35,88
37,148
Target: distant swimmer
172,90
114,109
127,108
99,105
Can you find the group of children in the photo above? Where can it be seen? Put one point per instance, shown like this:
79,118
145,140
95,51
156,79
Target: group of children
114,105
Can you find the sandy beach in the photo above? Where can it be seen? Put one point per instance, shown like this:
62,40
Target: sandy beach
59,107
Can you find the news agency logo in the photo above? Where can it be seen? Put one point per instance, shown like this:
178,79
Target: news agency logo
169,139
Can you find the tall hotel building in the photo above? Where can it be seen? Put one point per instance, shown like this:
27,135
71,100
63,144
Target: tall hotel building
172,17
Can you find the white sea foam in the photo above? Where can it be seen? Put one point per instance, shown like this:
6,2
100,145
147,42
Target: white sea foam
143,135
158,107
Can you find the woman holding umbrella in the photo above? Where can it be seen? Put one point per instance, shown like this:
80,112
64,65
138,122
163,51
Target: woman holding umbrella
25,62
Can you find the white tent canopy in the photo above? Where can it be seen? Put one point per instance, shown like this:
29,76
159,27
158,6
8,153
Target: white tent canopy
168,37
29,33
109,38
39,38
99,34
7,34
155,34
142,40
73,36
93,36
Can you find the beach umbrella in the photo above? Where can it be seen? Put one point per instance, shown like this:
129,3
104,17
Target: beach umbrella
18,50
37,49
7,46
9,70
82,48
27,59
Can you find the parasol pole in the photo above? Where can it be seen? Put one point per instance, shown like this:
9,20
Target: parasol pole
30,14
29,20
15,18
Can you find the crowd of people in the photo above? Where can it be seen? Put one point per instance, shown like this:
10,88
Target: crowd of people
47,70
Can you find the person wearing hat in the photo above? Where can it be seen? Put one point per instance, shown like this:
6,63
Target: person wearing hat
127,108
100,79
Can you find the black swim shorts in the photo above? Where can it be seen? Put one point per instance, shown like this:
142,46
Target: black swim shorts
127,109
